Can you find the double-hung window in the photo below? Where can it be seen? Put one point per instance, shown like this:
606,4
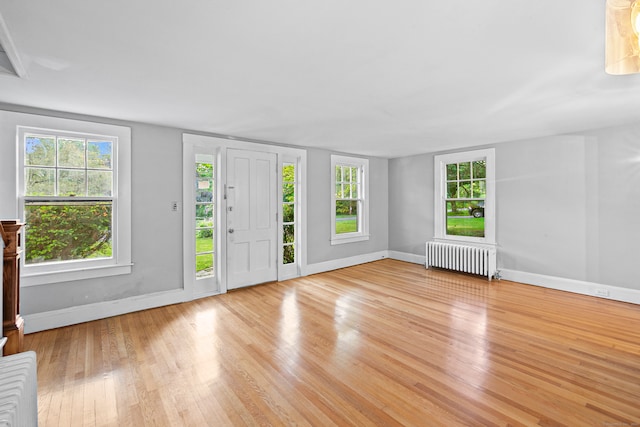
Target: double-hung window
350,201
74,197
465,196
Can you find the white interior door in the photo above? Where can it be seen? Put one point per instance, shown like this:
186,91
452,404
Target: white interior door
251,218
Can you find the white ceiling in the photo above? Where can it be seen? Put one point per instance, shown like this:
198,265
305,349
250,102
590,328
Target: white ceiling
370,77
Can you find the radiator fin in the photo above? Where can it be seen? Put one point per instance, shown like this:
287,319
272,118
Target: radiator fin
18,390
464,258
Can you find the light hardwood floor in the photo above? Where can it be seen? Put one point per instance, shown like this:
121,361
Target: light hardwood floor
385,343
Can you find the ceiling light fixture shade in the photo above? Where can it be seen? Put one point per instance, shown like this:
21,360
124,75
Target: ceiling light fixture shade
622,50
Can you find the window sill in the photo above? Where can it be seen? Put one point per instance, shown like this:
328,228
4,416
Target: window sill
36,279
470,240
349,239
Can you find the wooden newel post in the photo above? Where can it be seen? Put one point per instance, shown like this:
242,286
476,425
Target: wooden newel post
12,323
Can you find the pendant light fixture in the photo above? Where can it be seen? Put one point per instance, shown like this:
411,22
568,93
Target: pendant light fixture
622,55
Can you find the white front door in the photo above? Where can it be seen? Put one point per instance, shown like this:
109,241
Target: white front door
251,218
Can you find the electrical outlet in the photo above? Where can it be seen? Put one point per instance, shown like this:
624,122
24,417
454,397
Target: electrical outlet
602,292
175,206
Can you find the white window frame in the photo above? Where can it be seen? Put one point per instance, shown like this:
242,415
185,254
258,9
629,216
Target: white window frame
440,195
120,262
363,224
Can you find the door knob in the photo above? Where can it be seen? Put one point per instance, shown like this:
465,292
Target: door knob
231,231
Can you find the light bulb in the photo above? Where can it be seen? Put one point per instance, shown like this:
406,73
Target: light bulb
635,17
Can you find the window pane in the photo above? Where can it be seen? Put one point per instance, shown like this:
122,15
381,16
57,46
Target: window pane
354,191
40,182
288,254
204,240
288,233
465,170
288,213
464,190
204,215
204,266
452,190
354,174
64,232
71,153
206,195
204,170
480,169
346,216
40,150
100,183
71,182
288,172
338,173
480,189
99,154
346,191
464,219
288,192
452,172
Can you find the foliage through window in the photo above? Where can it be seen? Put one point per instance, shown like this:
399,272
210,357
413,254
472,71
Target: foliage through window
288,213
69,197
205,216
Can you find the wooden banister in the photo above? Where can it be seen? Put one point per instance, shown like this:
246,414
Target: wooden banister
3,235
12,322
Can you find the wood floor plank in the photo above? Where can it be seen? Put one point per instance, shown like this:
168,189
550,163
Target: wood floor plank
385,343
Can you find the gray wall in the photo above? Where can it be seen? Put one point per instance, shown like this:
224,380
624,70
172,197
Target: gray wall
411,203
157,231
567,206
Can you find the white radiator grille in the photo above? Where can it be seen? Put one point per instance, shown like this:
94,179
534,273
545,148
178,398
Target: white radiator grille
468,259
18,390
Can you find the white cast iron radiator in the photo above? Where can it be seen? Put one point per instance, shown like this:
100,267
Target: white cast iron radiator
468,259
18,390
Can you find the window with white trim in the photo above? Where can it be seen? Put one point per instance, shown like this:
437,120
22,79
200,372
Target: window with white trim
205,215
349,201
74,198
465,196
289,185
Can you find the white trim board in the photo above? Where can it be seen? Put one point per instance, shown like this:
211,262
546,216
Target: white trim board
407,257
101,310
615,293
335,264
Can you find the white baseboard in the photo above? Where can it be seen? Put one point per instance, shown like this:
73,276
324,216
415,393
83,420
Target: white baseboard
576,286
85,313
404,256
335,264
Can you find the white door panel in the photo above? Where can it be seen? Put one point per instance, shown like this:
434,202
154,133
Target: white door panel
251,218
